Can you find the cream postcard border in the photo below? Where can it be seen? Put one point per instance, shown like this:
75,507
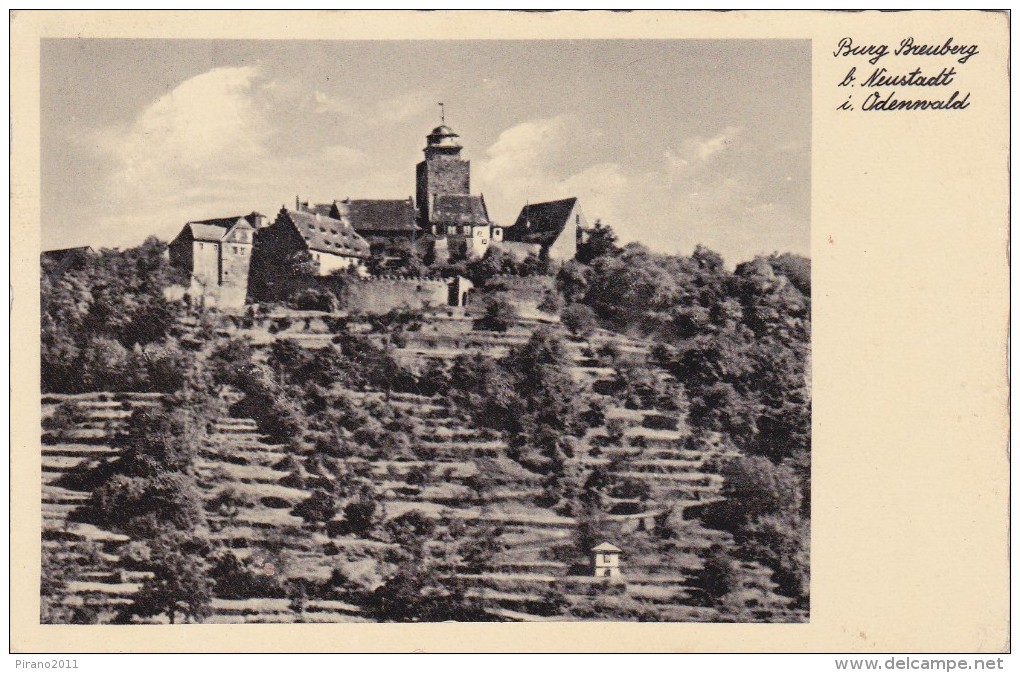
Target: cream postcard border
910,317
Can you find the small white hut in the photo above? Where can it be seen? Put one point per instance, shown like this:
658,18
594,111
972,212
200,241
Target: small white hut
605,560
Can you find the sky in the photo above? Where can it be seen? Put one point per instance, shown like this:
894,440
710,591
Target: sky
673,143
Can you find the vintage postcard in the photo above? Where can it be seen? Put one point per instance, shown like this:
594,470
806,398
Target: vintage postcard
495,331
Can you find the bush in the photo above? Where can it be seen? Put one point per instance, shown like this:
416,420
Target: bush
321,506
314,299
63,421
551,303
718,576
144,506
659,422
359,517
579,319
500,315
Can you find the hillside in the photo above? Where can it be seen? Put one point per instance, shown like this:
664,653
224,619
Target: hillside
531,576
280,465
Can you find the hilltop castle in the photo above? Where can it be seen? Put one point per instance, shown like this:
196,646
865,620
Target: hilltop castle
445,221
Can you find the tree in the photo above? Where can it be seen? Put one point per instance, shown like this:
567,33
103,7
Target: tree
579,319
796,268
754,487
412,531
592,528
500,315
301,264
572,281
320,507
782,543
179,586
495,262
551,303
157,441
313,299
417,593
600,242
359,516
478,549
718,576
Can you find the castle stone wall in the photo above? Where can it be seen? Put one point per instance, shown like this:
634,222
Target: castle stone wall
382,294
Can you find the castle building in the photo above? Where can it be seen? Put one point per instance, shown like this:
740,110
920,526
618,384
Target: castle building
217,254
552,230
375,220
446,207
332,243
444,221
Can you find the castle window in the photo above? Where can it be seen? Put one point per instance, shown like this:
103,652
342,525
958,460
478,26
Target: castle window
577,219
485,241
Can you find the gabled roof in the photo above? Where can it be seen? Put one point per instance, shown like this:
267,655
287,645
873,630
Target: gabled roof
541,222
216,228
460,209
370,216
228,222
326,234
207,232
65,253
605,546
59,261
324,209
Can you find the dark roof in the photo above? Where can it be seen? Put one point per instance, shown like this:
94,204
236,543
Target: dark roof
460,209
372,216
326,234
201,231
324,209
540,222
59,261
64,253
227,222
216,228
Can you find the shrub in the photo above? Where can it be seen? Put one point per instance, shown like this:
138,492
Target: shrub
359,517
579,319
314,299
499,316
718,576
659,422
321,506
63,421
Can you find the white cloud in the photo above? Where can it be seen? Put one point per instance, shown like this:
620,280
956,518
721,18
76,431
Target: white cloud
701,193
534,161
398,108
324,103
189,150
342,154
707,148
402,107
209,118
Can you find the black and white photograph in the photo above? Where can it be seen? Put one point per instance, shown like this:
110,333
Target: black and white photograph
425,331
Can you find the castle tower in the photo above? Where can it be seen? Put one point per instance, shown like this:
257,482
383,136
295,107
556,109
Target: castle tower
442,172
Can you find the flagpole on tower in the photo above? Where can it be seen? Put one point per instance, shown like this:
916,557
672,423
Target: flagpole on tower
442,114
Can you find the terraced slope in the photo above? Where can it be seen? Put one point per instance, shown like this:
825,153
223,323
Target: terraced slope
250,487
